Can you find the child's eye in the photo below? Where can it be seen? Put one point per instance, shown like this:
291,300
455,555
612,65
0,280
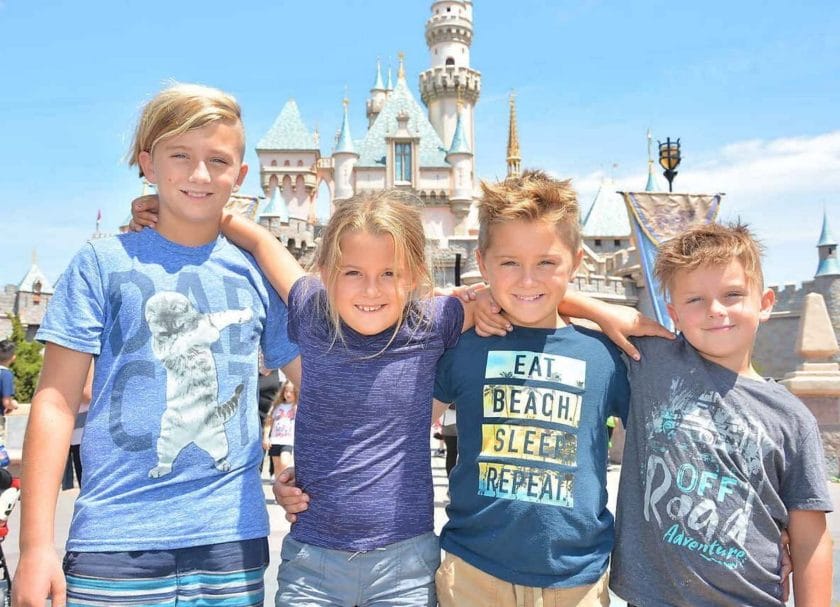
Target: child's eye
734,294
692,300
389,273
352,273
508,263
548,262
179,155
219,161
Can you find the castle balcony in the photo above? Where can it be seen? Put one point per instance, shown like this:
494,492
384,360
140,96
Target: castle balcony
310,177
325,163
449,81
448,27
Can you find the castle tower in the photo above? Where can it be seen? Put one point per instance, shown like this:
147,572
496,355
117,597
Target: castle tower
288,154
449,34
513,154
461,158
345,157
377,95
827,251
827,277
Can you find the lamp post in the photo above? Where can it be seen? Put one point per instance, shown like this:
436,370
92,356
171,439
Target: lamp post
669,159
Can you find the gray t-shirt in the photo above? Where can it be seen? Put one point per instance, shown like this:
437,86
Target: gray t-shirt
713,463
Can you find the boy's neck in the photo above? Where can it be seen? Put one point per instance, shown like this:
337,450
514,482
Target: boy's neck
187,234
742,369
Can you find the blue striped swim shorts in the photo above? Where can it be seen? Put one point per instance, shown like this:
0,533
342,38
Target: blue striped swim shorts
229,574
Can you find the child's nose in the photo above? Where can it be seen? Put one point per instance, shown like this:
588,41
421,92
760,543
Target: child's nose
200,173
716,308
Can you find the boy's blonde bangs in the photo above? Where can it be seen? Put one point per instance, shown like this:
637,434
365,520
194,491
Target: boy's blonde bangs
181,108
534,196
713,244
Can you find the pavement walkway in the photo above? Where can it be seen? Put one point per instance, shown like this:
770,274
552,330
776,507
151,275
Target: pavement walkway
280,527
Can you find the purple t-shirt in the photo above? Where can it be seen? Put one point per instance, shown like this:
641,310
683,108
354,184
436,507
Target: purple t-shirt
362,425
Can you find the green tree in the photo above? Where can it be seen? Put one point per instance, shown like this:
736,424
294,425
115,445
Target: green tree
27,365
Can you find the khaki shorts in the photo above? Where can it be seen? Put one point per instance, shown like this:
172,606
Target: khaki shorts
459,584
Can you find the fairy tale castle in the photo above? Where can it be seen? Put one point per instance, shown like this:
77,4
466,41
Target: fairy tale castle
425,144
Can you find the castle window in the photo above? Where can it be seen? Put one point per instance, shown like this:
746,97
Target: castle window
286,163
274,163
450,61
36,292
402,163
300,163
617,242
597,242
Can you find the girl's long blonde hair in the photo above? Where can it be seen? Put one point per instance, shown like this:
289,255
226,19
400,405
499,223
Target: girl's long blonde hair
387,212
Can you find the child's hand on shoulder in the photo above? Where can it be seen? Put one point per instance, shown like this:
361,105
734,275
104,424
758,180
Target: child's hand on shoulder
622,322
489,319
144,212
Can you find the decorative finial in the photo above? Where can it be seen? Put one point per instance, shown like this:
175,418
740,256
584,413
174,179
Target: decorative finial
513,154
401,68
346,101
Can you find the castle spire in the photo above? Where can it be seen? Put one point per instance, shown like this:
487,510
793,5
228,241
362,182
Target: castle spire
377,84
401,68
513,154
827,247
652,184
345,142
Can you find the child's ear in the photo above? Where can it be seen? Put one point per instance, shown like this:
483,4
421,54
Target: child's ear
481,267
576,263
243,170
144,159
672,312
768,298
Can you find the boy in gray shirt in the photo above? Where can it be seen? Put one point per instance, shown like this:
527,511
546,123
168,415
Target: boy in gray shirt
717,460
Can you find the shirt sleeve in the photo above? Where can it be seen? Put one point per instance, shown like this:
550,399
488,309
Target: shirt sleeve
619,387
444,391
75,316
804,485
451,318
277,347
7,384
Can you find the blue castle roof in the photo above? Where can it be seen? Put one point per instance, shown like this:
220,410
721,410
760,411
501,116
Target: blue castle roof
345,143
288,132
459,140
373,148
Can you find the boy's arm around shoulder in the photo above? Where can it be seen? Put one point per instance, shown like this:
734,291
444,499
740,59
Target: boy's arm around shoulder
278,265
811,553
617,322
51,420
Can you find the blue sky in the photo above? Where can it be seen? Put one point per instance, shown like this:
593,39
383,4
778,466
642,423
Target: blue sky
751,88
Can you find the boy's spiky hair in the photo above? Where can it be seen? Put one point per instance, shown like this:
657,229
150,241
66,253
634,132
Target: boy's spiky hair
535,196
713,244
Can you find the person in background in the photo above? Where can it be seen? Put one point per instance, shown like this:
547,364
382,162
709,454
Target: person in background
279,430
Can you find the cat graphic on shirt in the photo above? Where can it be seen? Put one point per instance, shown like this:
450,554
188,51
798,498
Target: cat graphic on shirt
181,339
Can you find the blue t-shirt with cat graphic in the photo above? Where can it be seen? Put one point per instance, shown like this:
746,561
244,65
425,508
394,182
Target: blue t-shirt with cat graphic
172,441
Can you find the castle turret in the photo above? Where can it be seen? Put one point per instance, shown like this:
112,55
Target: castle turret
827,248
344,159
378,94
289,156
652,182
449,34
513,155
461,158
